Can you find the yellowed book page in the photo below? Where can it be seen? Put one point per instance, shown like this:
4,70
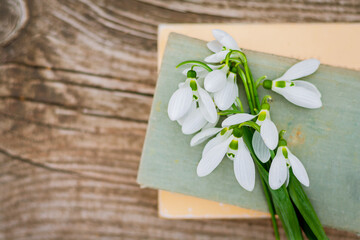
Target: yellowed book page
333,44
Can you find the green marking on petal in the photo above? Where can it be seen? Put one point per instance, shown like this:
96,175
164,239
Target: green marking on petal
280,84
262,116
234,144
292,84
223,131
285,152
231,155
193,85
195,97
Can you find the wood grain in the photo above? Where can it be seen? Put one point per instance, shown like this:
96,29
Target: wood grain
77,79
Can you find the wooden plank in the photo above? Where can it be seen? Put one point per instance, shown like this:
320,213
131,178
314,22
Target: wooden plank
71,174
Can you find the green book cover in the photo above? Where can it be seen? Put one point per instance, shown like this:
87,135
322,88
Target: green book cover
325,139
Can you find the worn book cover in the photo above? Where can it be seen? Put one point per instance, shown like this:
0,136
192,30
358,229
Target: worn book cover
299,40
169,163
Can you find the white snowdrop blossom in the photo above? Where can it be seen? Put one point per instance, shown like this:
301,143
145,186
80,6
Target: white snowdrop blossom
268,136
221,46
227,95
192,106
279,169
227,142
216,79
298,92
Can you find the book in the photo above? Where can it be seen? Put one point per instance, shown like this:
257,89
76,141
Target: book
329,152
299,40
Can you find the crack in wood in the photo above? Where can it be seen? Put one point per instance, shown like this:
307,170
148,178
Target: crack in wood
36,164
80,109
51,126
85,85
56,69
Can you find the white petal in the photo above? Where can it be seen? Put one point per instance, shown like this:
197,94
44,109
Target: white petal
207,106
215,141
269,134
301,69
260,149
204,135
278,170
300,96
225,39
215,80
237,119
216,57
212,158
309,86
287,178
226,97
244,167
213,67
212,125
193,122
212,143
229,43
202,74
298,169
218,34
214,46
180,103
182,119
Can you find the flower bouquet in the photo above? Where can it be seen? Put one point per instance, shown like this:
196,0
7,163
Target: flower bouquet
250,140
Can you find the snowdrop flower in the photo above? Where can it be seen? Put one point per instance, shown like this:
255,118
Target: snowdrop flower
227,142
193,121
227,95
221,46
268,130
192,106
301,93
216,79
279,169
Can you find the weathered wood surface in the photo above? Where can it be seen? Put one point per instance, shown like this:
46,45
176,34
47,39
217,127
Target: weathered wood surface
77,79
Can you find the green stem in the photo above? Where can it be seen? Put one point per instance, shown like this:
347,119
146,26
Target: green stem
257,83
257,101
250,80
271,209
248,95
251,124
200,64
251,86
238,101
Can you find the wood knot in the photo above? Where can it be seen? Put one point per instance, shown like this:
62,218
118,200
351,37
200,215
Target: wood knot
13,17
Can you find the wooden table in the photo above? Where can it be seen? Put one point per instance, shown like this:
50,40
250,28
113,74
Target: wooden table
77,80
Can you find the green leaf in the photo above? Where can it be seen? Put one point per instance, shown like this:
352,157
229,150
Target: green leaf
301,201
304,226
271,208
283,205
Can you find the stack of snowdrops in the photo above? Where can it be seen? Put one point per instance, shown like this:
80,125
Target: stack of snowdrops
250,139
